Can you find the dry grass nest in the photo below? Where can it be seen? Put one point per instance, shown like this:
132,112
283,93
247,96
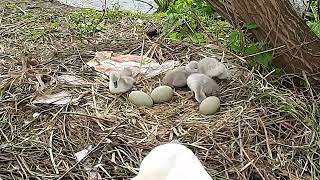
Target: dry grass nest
264,130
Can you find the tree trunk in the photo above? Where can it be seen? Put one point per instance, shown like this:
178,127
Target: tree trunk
278,23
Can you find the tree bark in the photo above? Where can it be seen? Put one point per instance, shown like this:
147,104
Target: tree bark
278,23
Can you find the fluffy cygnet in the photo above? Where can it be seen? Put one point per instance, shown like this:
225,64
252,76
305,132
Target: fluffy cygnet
210,67
171,162
121,82
202,86
176,77
192,67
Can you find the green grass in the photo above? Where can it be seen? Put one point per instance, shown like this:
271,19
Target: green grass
186,20
87,21
315,24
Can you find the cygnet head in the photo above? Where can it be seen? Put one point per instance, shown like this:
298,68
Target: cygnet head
127,71
192,67
114,78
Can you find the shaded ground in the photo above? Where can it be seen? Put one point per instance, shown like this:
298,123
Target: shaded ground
262,130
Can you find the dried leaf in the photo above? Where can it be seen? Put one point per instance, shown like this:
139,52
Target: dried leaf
63,97
94,175
83,153
36,115
102,62
72,80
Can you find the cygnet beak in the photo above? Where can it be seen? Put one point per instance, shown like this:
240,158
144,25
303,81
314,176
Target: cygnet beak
115,83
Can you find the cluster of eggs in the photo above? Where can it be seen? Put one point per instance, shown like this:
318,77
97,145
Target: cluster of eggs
162,94
158,95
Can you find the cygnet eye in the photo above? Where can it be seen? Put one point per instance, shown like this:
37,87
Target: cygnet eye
115,83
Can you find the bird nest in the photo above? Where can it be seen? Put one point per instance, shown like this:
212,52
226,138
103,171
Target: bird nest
262,131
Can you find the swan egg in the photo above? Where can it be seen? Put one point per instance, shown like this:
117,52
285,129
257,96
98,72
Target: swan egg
162,94
140,98
210,105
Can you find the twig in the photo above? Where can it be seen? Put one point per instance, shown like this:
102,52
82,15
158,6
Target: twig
262,52
21,166
267,140
240,142
90,116
20,9
51,154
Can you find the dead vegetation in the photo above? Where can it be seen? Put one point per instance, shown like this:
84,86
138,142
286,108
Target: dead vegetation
264,130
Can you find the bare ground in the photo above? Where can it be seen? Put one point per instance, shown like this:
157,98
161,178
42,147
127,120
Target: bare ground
264,130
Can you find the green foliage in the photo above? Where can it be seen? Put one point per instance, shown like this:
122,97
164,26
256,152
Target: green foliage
163,5
278,102
315,24
250,26
54,25
185,18
39,26
34,34
87,21
115,14
198,37
315,27
234,41
244,46
192,20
